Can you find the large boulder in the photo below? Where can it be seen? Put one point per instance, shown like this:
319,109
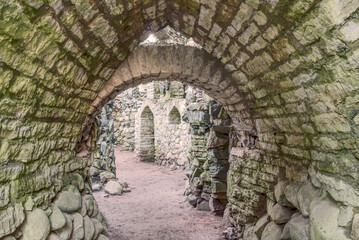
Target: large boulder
78,181
291,191
306,194
272,231
69,199
261,224
89,228
324,221
36,226
355,228
280,214
99,228
203,206
297,228
345,216
53,236
11,218
113,188
102,237
107,176
279,194
57,218
65,232
78,226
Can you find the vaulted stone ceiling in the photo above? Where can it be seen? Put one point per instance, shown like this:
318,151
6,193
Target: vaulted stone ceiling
294,63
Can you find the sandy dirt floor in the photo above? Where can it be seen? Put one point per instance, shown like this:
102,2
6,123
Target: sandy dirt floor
154,209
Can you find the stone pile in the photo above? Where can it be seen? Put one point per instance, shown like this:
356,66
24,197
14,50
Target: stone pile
301,211
74,214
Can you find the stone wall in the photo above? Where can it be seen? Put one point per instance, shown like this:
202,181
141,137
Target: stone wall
285,71
163,104
126,107
207,165
104,154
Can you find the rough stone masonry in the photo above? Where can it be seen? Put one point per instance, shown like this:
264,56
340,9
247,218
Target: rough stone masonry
286,71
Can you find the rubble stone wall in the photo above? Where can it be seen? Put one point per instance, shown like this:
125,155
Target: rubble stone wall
285,71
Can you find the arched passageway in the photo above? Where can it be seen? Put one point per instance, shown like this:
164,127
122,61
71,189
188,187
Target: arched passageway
286,72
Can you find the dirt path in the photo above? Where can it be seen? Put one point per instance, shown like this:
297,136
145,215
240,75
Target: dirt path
154,210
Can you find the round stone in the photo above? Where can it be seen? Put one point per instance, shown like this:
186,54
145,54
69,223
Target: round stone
57,218
113,188
68,201
89,228
36,226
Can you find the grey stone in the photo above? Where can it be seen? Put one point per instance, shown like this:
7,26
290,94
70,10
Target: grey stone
203,206
69,200
279,194
217,205
218,187
29,204
99,228
280,214
107,176
4,195
113,188
324,221
355,228
339,190
36,226
95,211
306,194
291,191
345,216
57,218
96,187
297,228
261,224
11,218
102,237
272,231
89,201
83,210
78,181
192,199
89,228
9,238
78,226
65,232
53,236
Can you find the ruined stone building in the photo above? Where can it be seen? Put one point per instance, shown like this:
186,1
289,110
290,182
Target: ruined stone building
170,124
285,72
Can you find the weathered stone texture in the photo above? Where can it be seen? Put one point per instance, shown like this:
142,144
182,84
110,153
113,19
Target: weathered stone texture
290,87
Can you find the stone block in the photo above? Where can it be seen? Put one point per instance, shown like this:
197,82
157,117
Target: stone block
272,231
324,221
306,195
57,218
36,226
280,214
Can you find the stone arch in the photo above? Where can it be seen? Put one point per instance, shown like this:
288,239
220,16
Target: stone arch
174,116
146,151
187,64
298,75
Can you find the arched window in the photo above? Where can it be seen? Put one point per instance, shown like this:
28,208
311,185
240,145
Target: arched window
147,135
174,116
